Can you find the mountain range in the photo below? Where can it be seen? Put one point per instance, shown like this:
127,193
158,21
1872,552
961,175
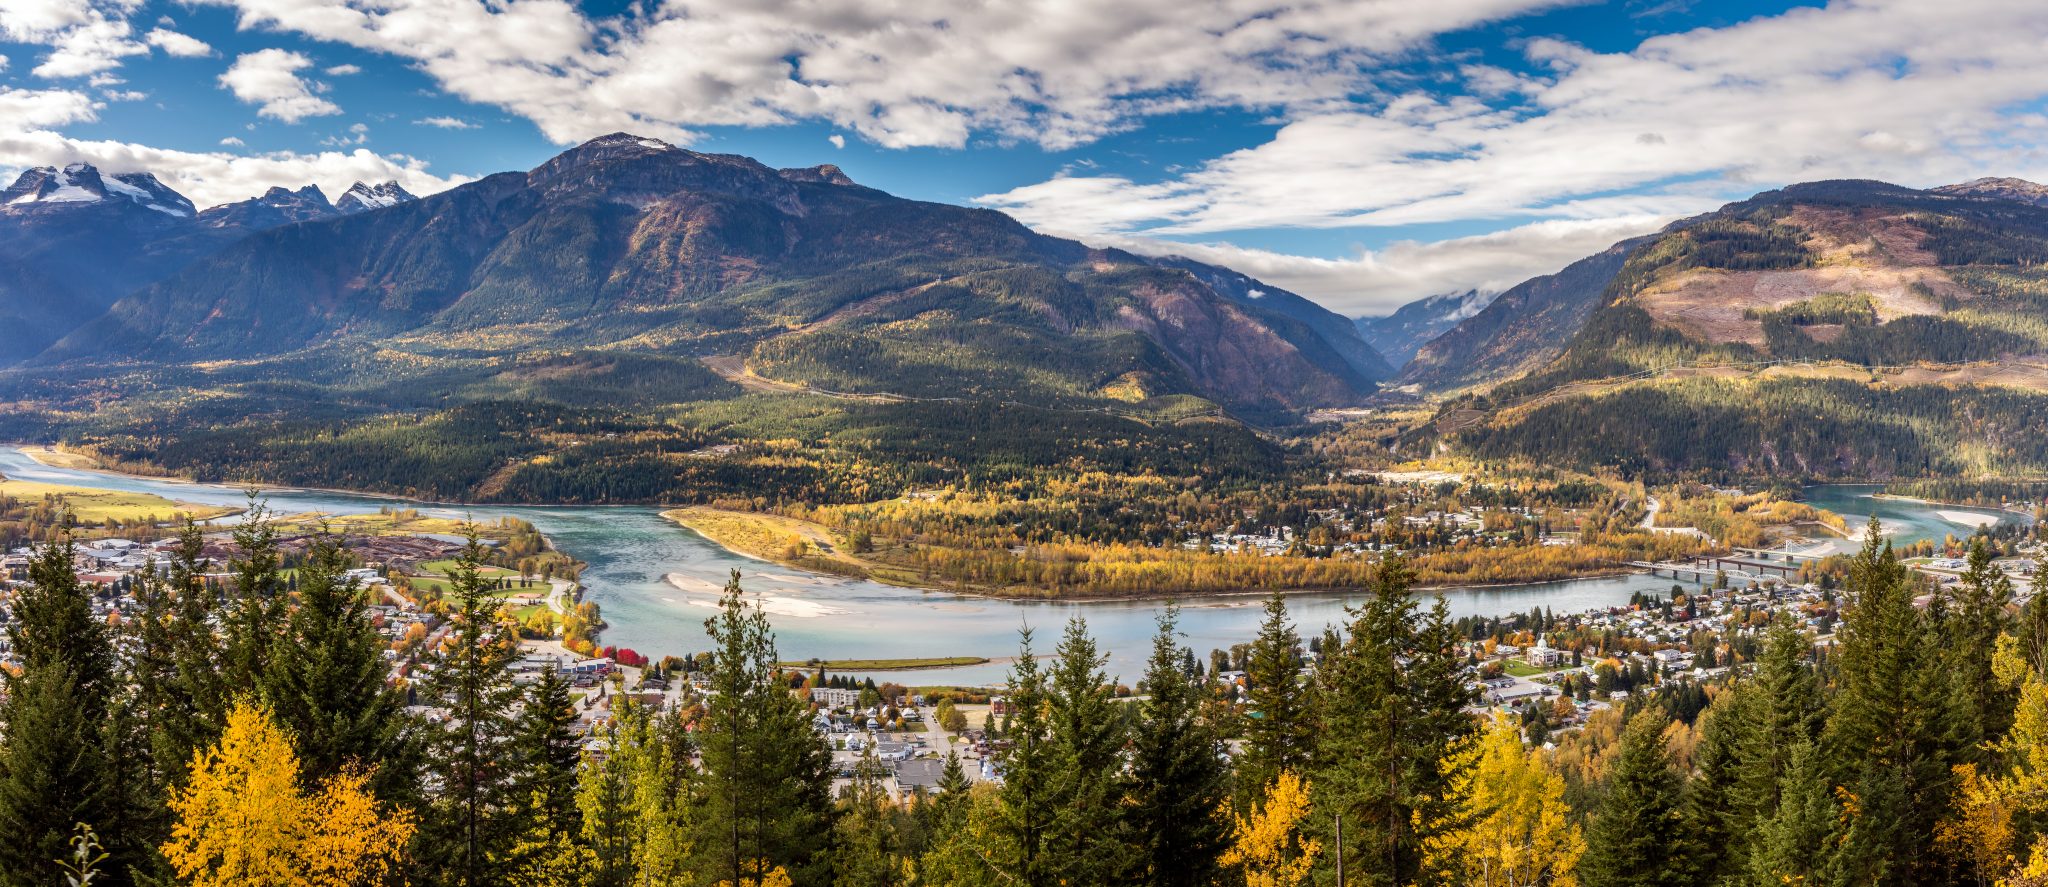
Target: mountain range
76,240
795,276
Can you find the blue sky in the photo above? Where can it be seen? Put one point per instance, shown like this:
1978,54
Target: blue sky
1361,153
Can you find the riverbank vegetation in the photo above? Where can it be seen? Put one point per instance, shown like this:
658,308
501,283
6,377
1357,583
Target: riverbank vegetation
1907,757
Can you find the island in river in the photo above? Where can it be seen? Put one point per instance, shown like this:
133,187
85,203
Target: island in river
632,556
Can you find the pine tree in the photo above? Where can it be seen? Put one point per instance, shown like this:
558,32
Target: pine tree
470,833
1180,783
1896,727
254,621
1084,746
1278,731
1391,698
1794,840
1634,839
1716,824
1973,628
326,682
606,806
58,769
1026,811
543,770
1785,709
767,779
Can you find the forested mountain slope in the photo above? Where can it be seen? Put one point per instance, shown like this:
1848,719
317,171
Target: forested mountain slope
1834,329
630,243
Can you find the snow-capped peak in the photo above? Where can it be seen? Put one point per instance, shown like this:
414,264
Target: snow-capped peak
363,198
83,183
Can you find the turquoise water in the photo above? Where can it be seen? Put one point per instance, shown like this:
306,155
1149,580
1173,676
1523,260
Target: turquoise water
1903,521
633,553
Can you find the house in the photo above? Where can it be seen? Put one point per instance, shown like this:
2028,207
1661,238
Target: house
892,751
833,697
1542,656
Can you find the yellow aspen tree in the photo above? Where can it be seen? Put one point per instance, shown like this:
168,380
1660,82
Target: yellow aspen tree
243,819
1267,846
239,817
1518,832
1980,829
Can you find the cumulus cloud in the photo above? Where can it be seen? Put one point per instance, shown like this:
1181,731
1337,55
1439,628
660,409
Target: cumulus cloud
46,107
270,79
180,45
445,123
837,140
232,142
211,178
899,72
343,70
1914,91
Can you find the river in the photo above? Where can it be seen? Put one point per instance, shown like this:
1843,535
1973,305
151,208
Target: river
656,583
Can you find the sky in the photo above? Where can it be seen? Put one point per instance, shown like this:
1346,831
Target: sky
1363,153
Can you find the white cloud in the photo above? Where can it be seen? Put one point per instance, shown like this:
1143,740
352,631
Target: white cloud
90,48
899,72
270,78
211,178
232,142
1920,92
181,45
1378,281
343,70
124,95
837,140
445,123
45,107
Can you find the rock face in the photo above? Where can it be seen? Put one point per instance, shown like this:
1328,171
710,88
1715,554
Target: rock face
363,198
631,243
276,207
1523,328
1399,335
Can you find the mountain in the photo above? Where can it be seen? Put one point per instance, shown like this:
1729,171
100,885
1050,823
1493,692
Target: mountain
1827,329
2017,190
1521,329
800,276
1399,335
276,207
1273,303
73,241
363,198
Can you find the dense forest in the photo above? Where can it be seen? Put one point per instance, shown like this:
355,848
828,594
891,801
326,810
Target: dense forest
245,733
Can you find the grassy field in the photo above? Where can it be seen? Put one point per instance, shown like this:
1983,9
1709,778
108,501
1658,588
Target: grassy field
774,538
889,664
380,524
93,506
436,570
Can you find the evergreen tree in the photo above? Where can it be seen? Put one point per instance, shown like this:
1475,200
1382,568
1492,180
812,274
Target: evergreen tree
255,616
1896,727
1786,709
1634,839
543,768
470,833
1716,824
1793,841
1026,811
767,779
1391,697
606,806
1180,782
58,767
867,836
326,682
1084,747
1973,627
1278,731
